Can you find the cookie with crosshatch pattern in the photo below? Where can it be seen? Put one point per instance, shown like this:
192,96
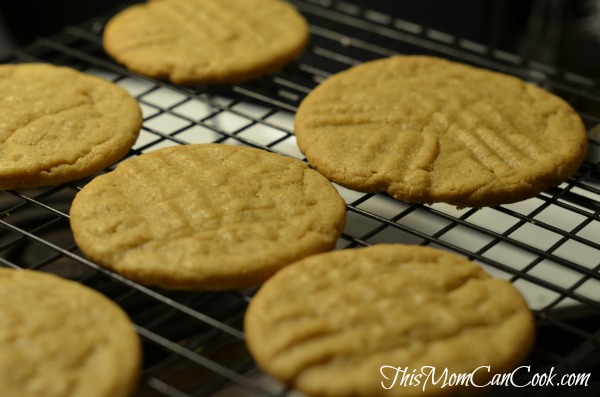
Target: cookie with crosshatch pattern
206,41
426,130
206,216
59,338
341,323
58,124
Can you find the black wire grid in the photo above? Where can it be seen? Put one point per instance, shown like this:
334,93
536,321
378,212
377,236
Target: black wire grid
548,246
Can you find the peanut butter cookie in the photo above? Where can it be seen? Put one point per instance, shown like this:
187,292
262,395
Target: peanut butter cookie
367,321
207,216
58,125
428,130
59,338
206,41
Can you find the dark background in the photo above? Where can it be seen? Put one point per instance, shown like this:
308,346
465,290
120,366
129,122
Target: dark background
560,33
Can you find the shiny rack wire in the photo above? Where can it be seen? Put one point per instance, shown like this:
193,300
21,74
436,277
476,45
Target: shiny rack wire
548,246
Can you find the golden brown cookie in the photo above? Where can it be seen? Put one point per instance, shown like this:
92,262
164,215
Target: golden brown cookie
345,323
58,125
59,338
428,130
206,216
206,41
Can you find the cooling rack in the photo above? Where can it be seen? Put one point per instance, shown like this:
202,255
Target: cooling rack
548,246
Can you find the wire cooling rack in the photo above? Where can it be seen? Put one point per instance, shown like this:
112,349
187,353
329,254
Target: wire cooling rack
548,246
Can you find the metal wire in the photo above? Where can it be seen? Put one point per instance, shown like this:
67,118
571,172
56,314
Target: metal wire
549,246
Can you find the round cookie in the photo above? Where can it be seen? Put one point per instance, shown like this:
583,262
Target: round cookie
206,41
428,130
341,323
207,216
59,338
58,125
